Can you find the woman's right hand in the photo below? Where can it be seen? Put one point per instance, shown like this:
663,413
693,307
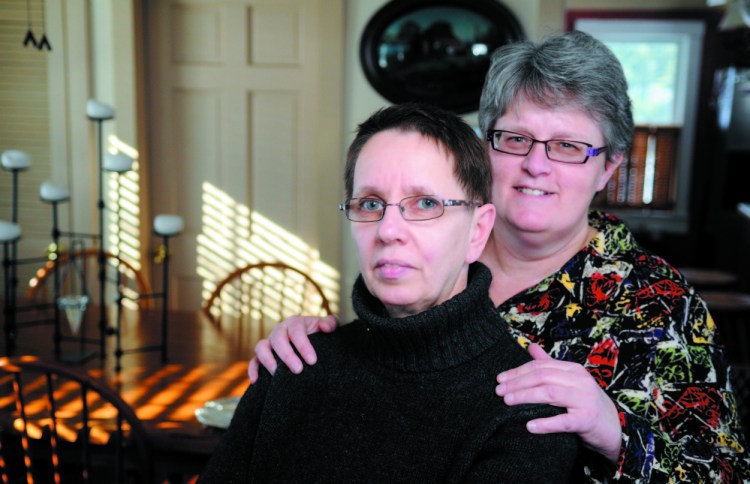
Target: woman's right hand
294,330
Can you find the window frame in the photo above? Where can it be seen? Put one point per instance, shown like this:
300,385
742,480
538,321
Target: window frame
677,219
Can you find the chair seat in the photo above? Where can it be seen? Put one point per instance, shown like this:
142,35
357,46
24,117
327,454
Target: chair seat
50,192
9,231
98,110
168,225
15,160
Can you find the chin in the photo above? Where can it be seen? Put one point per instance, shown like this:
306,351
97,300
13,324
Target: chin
530,222
398,305
396,300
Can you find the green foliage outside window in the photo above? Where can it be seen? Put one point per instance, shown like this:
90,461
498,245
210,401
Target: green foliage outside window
651,71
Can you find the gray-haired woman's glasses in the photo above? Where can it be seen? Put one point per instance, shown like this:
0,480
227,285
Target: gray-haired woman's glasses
416,208
561,150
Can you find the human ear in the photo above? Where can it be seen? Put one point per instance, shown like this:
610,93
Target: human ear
610,167
482,223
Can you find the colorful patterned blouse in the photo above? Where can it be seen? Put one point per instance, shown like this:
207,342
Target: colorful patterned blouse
636,325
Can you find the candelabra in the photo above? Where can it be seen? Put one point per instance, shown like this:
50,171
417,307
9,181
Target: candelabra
54,195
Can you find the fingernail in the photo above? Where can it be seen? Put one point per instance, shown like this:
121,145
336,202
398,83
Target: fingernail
509,399
501,389
297,369
501,377
531,427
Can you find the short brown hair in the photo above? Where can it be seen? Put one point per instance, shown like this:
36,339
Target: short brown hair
471,161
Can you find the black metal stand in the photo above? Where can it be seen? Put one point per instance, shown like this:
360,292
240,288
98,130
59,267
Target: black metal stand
102,258
164,296
165,299
10,269
11,262
57,335
98,114
9,297
13,265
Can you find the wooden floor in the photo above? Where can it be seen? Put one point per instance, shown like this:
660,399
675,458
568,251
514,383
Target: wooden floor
205,362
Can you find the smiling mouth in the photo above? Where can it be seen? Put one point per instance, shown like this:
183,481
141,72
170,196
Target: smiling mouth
532,191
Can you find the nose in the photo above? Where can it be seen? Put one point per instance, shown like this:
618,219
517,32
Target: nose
391,227
536,162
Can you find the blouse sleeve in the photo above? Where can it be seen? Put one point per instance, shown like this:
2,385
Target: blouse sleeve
677,411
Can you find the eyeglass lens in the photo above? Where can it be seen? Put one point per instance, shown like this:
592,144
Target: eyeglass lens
557,150
421,207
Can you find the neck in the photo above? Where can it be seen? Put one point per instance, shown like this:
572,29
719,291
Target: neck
440,337
519,261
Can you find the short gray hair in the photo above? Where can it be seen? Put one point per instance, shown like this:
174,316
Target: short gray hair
570,69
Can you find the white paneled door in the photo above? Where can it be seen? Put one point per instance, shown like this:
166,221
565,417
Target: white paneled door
244,103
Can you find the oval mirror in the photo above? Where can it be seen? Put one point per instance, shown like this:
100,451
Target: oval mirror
435,51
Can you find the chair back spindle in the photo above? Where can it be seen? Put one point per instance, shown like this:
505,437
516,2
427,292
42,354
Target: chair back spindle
264,293
65,426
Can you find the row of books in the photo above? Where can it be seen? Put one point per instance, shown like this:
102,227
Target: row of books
647,178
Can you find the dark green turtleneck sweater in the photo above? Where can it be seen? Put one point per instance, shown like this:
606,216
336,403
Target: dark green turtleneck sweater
396,400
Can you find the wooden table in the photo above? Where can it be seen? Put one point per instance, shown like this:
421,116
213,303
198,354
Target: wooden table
205,362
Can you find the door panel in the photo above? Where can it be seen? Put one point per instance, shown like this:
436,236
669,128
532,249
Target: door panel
234,100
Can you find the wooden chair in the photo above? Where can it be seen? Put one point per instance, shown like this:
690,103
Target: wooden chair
58,424
129,279
265,293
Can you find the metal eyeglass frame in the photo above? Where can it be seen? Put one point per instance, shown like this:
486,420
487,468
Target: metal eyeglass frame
344,207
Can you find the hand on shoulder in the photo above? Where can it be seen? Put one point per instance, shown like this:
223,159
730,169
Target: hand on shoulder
290,334
590,412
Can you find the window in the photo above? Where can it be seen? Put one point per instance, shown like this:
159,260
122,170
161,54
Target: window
661,60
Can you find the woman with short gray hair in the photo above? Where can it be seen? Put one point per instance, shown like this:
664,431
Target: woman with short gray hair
553,73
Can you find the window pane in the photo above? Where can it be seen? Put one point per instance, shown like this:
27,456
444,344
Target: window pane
651,71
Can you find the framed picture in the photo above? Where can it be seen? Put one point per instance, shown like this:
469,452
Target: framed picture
435,51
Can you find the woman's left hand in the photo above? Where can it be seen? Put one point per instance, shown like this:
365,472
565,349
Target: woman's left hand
590,412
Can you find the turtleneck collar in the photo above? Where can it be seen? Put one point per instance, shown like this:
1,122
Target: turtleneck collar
441,337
